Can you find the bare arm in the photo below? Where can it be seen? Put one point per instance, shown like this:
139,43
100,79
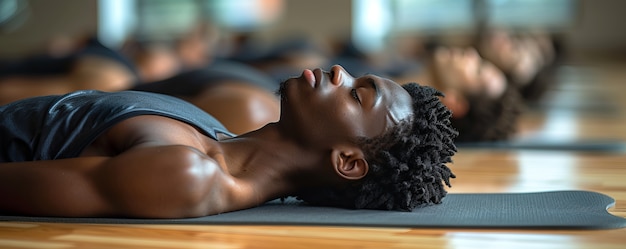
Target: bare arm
156,182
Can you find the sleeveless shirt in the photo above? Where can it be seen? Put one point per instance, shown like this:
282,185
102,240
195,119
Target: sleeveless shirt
62,126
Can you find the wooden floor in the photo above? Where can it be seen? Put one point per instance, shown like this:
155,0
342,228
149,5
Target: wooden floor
589,104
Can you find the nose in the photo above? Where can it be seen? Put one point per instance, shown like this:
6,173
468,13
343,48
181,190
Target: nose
339,75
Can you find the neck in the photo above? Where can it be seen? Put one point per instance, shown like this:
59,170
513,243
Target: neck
268,162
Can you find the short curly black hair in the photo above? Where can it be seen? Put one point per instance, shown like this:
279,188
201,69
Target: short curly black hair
407,164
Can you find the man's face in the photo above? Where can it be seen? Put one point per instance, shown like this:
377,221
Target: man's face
330,106
464,71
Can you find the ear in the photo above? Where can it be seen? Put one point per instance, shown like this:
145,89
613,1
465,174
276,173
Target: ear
349,162
456,103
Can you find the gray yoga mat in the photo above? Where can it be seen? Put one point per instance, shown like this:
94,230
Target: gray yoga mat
543,210
599,146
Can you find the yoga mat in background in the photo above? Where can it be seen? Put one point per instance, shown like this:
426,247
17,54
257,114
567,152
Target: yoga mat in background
543,210
552,145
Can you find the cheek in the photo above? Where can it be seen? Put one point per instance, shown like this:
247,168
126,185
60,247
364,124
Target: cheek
347,113
349,119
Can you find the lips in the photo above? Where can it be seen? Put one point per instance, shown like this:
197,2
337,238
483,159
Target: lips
316,76
310,77
319,75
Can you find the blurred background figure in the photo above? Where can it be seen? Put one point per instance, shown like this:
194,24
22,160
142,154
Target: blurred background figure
86,64
528,59
484,104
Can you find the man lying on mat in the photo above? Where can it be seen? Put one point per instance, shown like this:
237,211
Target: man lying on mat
362,142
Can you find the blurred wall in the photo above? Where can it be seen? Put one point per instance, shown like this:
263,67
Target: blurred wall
599,30
319,18
46,19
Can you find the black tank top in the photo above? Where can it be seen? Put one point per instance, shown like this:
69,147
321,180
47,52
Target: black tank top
56,127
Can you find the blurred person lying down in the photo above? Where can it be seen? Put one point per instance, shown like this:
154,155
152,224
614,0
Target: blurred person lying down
484,106
528,59
364,142
92,66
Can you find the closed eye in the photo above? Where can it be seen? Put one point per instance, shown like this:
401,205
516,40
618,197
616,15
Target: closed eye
355,95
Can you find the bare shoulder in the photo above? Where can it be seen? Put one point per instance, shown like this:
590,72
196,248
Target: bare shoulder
161,167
